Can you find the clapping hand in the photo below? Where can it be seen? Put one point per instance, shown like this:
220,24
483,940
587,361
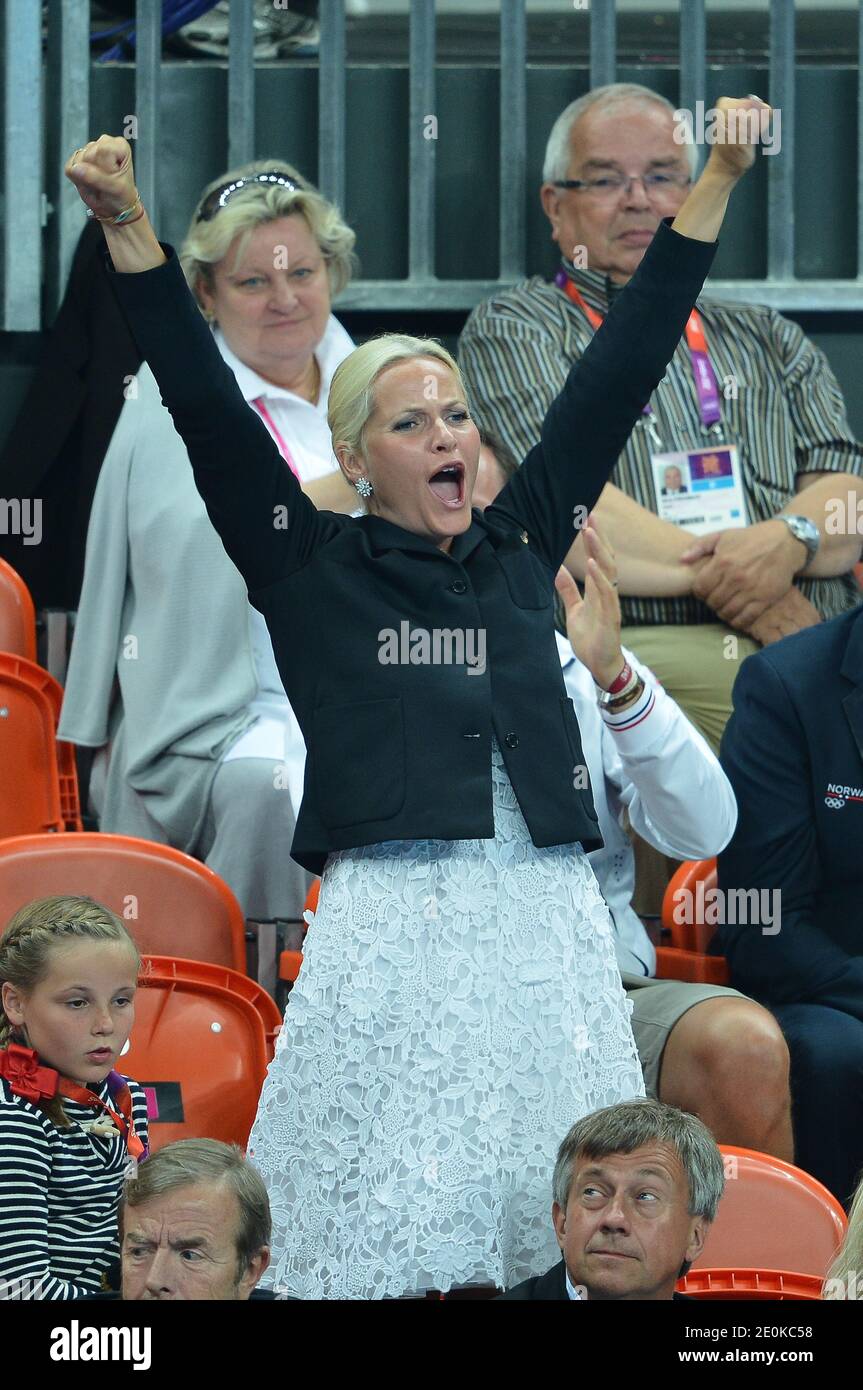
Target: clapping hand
593,622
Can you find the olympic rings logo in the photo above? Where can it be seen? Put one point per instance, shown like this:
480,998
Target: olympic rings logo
834,803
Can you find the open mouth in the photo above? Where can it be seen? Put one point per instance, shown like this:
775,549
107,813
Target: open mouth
447,484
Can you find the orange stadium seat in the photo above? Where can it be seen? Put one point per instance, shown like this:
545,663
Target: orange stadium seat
199,1048
38,779
686,958
772,1216
750,1284
17,615
169,901
221,977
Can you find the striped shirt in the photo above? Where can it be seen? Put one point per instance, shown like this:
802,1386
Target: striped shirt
59,1195
784,409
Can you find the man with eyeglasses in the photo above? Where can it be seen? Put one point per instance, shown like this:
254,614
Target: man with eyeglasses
749,413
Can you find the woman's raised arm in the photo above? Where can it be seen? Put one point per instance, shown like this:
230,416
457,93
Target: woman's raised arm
266,524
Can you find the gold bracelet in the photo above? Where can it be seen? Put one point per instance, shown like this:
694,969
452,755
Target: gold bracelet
122,218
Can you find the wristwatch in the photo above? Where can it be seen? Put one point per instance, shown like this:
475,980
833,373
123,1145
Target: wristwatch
806,531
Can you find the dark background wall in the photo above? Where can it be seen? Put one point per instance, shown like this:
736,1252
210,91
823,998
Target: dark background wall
192,142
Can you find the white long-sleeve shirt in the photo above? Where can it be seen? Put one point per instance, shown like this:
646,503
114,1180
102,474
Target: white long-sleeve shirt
654,764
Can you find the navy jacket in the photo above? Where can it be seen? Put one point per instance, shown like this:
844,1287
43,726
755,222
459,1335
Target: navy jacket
402,751
793,750
551,1288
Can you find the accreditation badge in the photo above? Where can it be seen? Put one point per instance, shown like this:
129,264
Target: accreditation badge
701,490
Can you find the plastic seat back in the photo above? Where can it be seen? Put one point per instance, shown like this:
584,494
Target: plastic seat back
171,904
772,1216
222,978
200,1052
750,1284
683,905
38,780
17,615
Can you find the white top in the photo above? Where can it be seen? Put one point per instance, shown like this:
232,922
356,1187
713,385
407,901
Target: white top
303,426
658,767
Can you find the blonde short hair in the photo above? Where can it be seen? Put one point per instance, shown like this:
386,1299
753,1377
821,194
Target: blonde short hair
351,401
207,242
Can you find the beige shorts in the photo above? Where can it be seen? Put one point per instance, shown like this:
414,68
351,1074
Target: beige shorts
698,664
657,1006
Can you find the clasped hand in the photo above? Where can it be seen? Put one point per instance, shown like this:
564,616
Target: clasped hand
741,573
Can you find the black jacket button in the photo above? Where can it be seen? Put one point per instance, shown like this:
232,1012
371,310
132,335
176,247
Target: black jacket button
511,740
459,587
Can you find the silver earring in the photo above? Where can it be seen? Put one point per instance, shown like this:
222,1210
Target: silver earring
364,487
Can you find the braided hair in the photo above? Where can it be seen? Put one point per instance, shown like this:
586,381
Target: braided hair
34,932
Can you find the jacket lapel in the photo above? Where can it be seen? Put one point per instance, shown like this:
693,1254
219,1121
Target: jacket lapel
852,669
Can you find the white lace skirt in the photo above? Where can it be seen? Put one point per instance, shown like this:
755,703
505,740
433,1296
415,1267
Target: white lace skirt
459,1007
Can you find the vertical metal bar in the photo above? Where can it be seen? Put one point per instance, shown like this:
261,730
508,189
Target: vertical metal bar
241,83
693,55
780,175
22,165
331,101
148,60
603,41
513,138
423,139
67,128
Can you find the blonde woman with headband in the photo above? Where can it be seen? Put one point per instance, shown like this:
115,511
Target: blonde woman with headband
459,1005
71,1127
195,742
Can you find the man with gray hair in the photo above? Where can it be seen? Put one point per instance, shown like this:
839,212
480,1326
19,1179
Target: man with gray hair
749,411
636,1187
194,1224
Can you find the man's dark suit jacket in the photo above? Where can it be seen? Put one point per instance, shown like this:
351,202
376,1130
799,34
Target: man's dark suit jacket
793,750
551,1288
397,750
56,446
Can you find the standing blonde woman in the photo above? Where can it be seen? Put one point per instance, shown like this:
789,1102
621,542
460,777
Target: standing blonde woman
459,1005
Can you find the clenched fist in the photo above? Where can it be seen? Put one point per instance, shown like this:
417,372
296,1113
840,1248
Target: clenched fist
103,175
737,133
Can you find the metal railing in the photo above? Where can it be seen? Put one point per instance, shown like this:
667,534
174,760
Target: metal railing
42,121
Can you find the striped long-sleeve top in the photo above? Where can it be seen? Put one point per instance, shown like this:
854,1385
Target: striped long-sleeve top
781,405
59,1196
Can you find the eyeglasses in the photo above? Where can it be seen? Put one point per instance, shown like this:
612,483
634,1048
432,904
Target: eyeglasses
610,187
215,201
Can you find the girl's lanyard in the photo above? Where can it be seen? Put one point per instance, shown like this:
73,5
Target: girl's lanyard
706,385
270,423
122,1117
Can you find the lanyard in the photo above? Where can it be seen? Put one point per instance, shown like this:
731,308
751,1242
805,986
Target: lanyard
270,423
28,1078
122,1097
706,385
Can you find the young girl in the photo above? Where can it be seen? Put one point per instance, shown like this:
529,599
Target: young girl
70,1126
